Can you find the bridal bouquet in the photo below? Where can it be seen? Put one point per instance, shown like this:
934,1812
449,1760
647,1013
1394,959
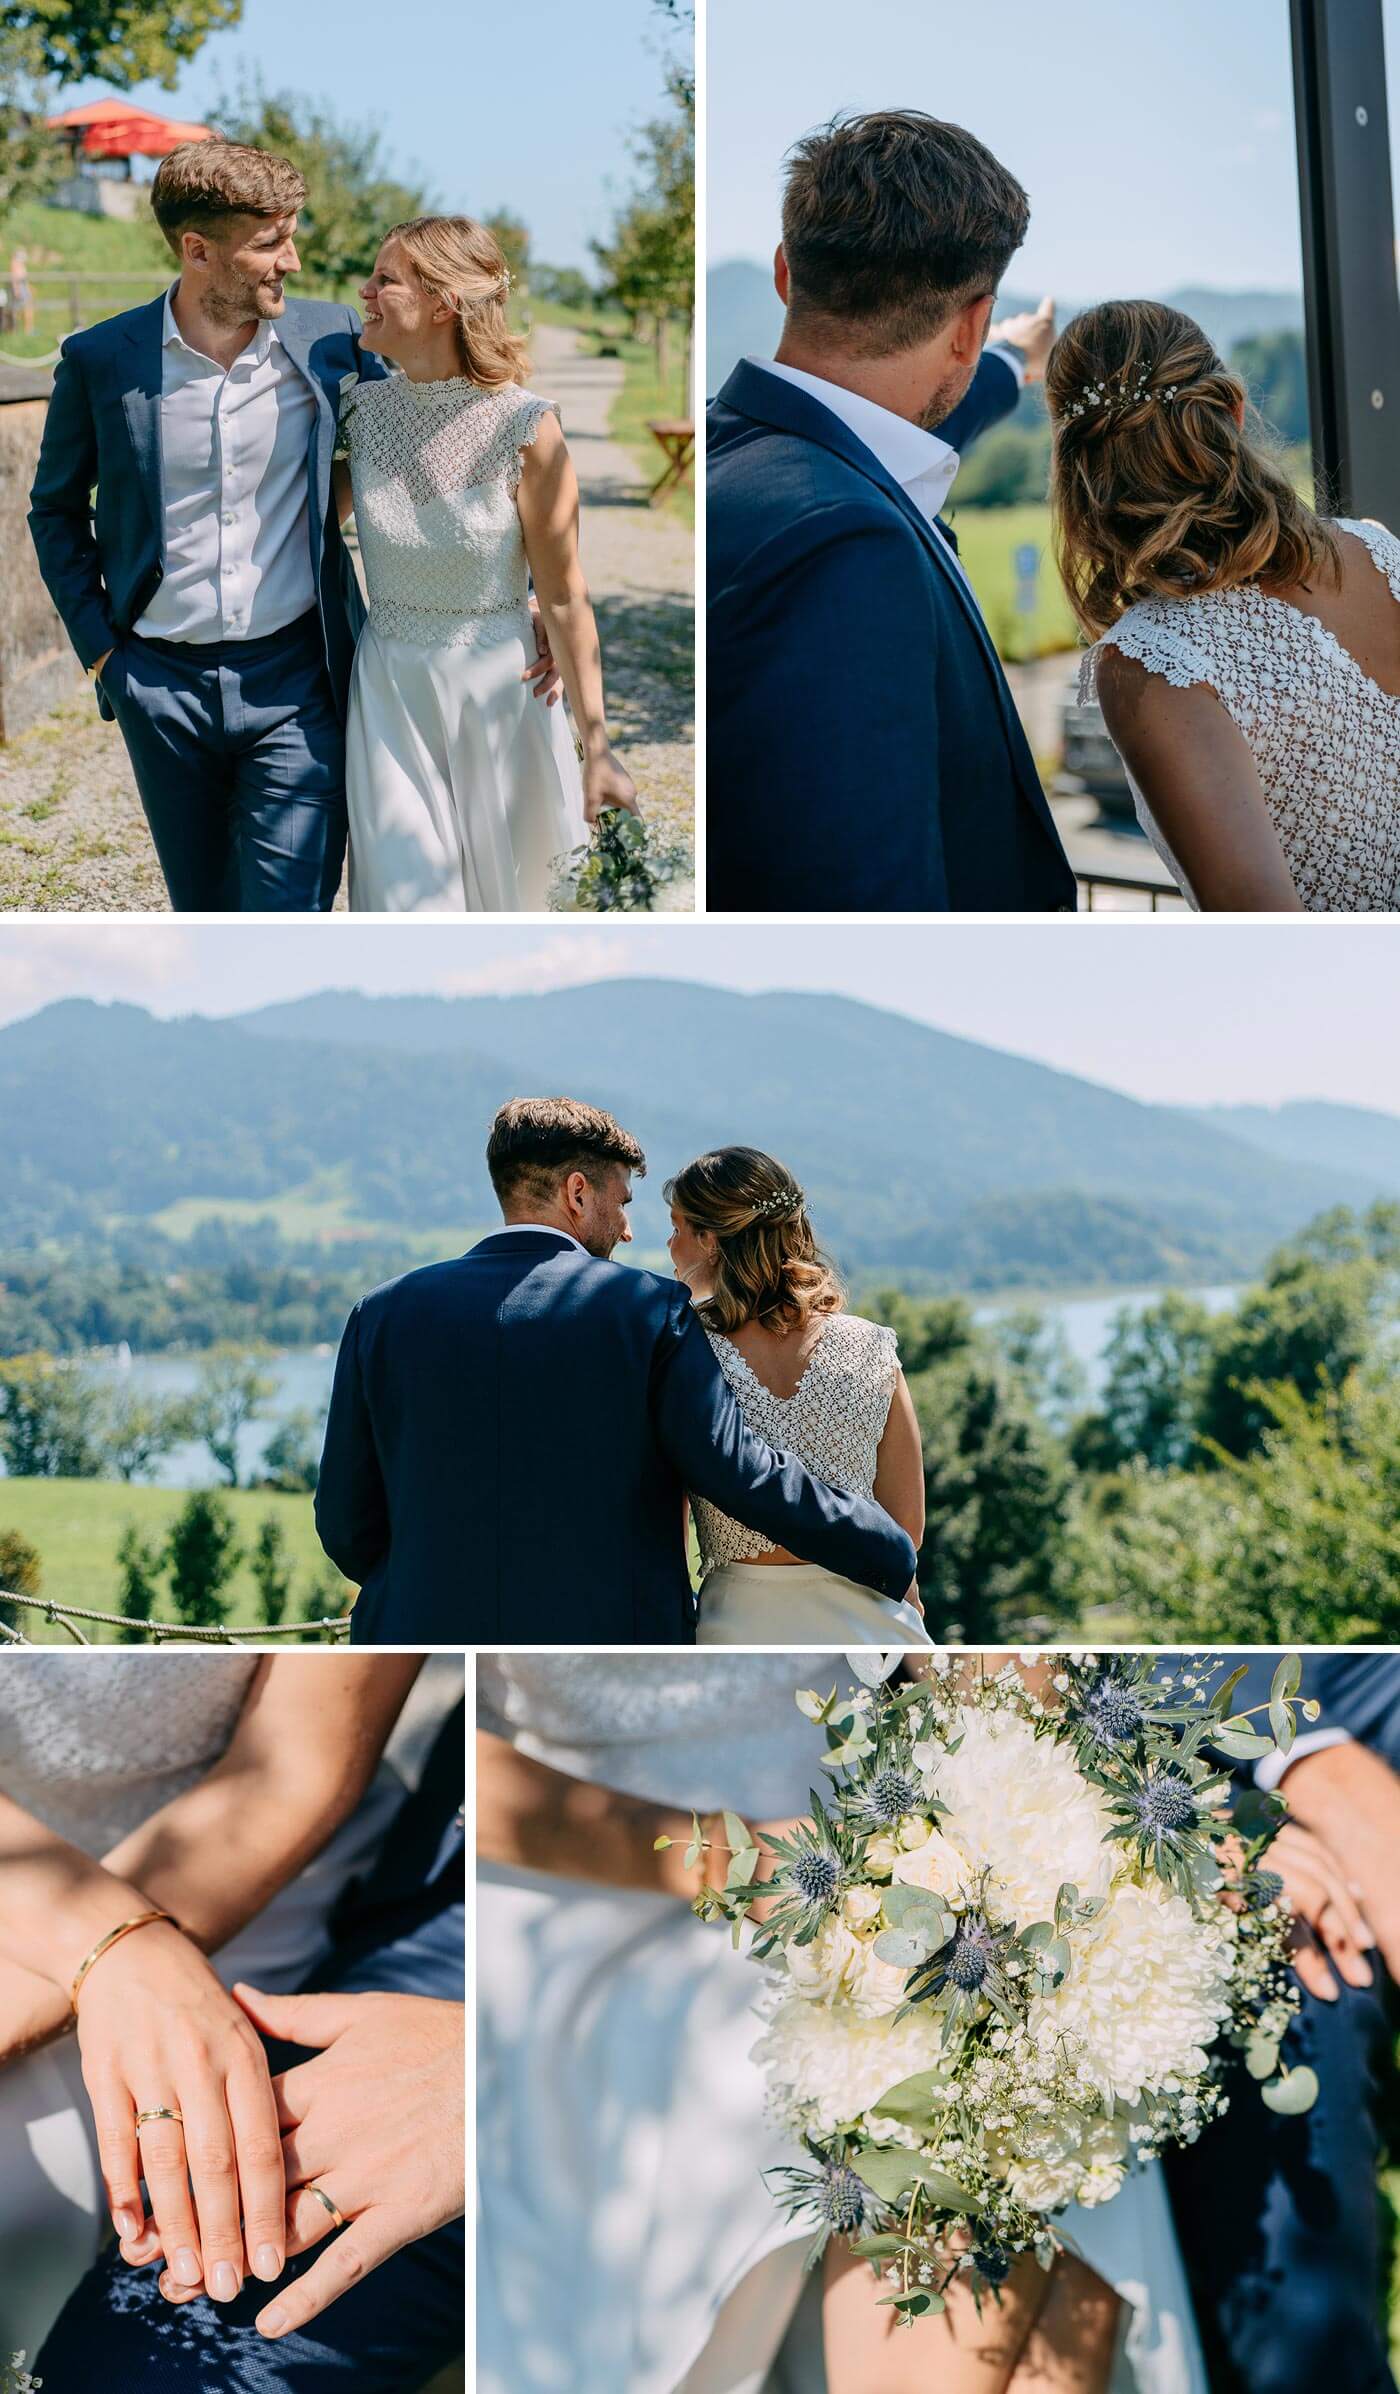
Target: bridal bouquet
1008,1955
15,2378
622,870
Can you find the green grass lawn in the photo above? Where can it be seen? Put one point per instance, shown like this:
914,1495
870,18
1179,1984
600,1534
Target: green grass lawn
643,395
61,241
76,1526
988,538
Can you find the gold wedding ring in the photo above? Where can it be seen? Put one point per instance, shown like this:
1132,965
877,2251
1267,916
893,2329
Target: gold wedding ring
322,2197
160,2114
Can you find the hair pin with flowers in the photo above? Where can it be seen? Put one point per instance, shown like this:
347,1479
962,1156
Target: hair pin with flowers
1108,394
782,1202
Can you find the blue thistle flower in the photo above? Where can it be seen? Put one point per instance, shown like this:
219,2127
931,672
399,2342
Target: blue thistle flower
1113,1710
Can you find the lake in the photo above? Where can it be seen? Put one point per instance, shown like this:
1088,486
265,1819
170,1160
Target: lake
303,1375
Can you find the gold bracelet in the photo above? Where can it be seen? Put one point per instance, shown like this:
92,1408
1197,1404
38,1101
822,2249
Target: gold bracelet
113,1937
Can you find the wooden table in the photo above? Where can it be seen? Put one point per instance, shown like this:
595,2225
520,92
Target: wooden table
677,439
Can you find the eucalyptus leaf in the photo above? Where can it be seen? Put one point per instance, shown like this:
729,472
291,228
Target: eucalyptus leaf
903,1949
741,1837
1242,1743
1220,1701
1287,1679
1294,2093
891,2173
877,2248
872,1668
1261,2055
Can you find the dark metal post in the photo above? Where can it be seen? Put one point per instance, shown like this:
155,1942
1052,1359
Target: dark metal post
1348,224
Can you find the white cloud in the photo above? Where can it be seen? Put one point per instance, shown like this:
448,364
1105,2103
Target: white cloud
559,961
41,962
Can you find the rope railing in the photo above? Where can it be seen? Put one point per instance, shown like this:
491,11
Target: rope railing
161,1633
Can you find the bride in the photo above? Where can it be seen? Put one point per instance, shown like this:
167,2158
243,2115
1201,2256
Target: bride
628,2243
461,790
815,1381
1247,650
236,1794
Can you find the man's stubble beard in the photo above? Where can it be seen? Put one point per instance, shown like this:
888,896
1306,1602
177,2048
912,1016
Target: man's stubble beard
241,303
941,402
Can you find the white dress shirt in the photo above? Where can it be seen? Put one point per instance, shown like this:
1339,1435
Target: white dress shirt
923,465
236,537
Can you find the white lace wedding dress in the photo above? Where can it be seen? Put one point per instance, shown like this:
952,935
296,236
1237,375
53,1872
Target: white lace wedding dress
462,786
1324,737
92,1745
833,1422
628,2244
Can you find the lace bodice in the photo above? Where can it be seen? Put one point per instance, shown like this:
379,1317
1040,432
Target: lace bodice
1324,737
435,467
93,1744
676,1728
833,1421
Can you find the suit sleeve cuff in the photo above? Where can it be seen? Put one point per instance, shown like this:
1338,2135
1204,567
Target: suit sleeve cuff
1275,1767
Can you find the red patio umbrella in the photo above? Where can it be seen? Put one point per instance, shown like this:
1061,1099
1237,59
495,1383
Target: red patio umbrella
119,129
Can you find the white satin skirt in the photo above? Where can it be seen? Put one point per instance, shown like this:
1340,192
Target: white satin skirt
53,2215
799,1604
463,788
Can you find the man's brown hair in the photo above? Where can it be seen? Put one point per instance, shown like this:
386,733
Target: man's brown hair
203,185
891,223
536,1142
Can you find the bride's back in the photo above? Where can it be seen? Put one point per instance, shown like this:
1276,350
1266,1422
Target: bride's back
1362,613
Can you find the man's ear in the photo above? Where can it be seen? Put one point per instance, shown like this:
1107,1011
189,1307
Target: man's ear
780,273
967,331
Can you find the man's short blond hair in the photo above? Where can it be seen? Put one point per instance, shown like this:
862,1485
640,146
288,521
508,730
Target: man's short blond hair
204,185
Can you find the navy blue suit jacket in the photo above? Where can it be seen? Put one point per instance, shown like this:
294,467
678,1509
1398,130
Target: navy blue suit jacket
102,562
864,750
510,1439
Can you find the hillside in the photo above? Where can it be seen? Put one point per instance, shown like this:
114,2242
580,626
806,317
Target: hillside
924,1155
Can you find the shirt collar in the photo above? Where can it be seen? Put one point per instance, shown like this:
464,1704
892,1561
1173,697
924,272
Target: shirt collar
919,461
541,1230
171,336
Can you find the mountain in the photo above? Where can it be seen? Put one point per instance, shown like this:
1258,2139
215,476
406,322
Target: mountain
744,314
925,1156
1351,1139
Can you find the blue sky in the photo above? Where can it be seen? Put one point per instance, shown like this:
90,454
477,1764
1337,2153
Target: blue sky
1175,1010
528,104
1156,143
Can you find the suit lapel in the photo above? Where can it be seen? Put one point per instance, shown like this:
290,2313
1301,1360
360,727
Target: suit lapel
296,339
768,399
141,406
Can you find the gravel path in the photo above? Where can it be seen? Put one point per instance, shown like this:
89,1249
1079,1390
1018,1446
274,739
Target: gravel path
72,834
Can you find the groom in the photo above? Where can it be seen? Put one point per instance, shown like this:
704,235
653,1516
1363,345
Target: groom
872,757
512,1435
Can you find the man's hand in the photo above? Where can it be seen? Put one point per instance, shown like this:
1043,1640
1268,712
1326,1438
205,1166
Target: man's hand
1328,1923
375,2121
1350,1798
1033,335
544,673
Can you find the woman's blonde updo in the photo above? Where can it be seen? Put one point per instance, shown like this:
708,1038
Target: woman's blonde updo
769,1268
1156,488
462,263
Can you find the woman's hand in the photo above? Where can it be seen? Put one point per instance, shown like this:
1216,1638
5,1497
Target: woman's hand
158,2032
607,782
1330,1925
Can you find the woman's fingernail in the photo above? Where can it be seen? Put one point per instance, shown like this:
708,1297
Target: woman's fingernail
187,2266
272,2321
266,2261
223,2281
127,2225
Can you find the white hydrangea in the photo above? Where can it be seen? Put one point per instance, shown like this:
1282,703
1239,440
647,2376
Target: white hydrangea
937,1864
827,2066
1020,1807
839,1966
1148,1992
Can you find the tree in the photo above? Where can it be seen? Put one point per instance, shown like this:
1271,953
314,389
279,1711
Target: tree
514,238
21,1572
564,286
30,159
1274,367
928,1329
1156,1367
136,1431
202,1556
271,1570
292,1458
119,41
1310,1324
1038,1353
233,1392
328,1598
46,1419
997,1490
140,1563
648,261
351,197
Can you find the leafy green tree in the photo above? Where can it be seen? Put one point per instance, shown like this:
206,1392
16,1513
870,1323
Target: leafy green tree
21,1572
563,286
119,41
202,1556
31,161
1035,1349
514,238
1308,1325
1010,468
139,1563
929,1329
328,1597
47,1413
271,1569
1156,1368
292,1457
997,1489
1274,366
352,198
234,1391
648,260
136,1431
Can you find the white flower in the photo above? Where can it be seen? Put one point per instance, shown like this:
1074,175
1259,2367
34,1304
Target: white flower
936,1865
875,1987
1147,1994
881,1854
1021,1808
825,2066
818,1970
860,1907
